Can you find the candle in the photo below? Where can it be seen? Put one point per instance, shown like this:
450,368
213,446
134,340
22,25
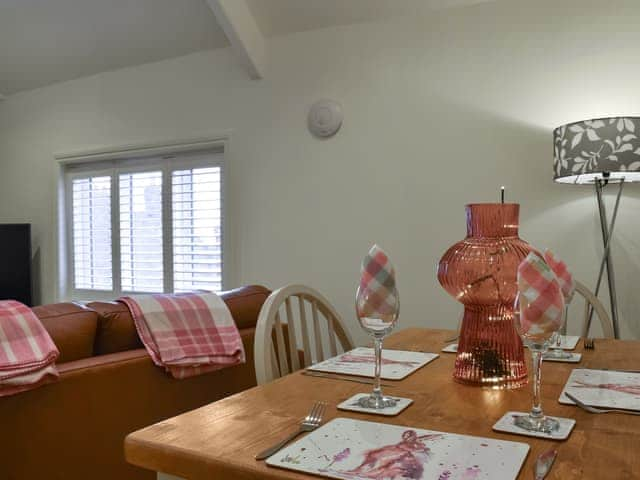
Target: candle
502,194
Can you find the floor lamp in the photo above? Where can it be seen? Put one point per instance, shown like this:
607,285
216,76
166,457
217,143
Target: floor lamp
604,152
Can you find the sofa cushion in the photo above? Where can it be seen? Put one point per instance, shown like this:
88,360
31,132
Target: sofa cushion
245,304
72,328
117,332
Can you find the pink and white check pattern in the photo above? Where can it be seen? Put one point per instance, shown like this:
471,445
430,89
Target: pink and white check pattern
565,279
540,287
378,282
27,353
187,334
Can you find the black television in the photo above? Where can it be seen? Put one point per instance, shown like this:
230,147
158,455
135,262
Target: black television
15,262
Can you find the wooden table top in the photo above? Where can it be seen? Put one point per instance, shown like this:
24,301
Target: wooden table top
219,441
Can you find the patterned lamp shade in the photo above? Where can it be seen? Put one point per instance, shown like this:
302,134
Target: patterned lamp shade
605,148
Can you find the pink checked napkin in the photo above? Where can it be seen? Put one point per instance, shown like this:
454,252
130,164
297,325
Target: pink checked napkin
565,279
378,283
539,288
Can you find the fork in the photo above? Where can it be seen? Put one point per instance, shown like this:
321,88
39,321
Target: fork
591,409
589,344
310,423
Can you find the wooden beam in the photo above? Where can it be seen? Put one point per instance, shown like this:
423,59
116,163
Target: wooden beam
241,29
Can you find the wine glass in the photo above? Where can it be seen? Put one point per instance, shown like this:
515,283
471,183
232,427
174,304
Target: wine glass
377,318
536,328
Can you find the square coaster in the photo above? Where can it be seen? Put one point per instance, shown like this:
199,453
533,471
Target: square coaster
570,358
451,348
507,424
352,405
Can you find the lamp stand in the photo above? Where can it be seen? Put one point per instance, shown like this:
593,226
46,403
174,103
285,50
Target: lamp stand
607,236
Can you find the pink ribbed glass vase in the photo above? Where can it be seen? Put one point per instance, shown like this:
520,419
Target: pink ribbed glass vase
481,273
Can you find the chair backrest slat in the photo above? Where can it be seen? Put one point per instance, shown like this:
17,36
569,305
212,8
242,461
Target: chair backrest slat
332,336
306,345
316,331
282,350
272,361
293,346
592,302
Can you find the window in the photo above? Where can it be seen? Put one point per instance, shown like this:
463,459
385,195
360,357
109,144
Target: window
145,226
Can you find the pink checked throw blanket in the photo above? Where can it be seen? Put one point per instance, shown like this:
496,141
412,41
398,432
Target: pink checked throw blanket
187,334
27,353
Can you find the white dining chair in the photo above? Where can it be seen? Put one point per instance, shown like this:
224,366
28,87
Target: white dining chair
591,301
314,326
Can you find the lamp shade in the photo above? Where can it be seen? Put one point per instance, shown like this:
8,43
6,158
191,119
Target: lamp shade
604,148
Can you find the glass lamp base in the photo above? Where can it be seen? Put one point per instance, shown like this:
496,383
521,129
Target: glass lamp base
377,402
537,424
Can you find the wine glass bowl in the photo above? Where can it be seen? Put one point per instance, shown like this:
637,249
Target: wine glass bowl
536,328
377,316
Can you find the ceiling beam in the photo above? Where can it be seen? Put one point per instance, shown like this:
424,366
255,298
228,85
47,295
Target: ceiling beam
240,27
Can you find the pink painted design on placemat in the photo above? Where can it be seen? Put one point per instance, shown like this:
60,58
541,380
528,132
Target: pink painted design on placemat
615,387
350,358
404,459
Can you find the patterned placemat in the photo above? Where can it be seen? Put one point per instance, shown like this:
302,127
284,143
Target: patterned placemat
348,449
396,364
603,388
568,342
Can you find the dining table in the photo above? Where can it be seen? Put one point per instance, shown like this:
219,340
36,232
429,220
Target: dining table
219,441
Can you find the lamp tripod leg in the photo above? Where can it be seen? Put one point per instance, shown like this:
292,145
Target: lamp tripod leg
607,236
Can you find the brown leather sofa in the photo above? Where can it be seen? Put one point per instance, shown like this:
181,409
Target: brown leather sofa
74,429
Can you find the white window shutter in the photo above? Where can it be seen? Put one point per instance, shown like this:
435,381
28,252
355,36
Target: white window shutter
145,225
91,212
197,229
141,266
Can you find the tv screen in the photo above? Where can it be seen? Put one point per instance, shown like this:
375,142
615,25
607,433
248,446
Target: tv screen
15,262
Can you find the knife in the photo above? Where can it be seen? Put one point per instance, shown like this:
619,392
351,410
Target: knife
543,463
333,376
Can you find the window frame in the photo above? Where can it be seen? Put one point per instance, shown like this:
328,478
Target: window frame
124,164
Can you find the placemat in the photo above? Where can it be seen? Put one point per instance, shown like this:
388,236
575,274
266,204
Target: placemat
349,449
603,388
396,364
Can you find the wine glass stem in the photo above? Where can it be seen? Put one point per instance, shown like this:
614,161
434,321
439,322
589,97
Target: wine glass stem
536,356
377,345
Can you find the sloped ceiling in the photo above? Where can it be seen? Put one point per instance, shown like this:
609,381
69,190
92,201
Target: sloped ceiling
48,41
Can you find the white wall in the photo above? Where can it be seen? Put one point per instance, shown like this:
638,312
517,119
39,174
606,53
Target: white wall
439,112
